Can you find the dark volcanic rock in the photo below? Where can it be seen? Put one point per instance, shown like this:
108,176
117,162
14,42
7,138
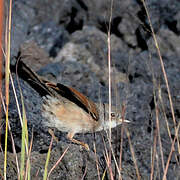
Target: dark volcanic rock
66,42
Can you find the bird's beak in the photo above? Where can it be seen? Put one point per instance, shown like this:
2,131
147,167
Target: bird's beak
126,121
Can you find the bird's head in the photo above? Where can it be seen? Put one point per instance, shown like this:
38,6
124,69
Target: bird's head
106,121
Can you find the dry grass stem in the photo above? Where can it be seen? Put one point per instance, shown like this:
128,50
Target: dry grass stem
59,160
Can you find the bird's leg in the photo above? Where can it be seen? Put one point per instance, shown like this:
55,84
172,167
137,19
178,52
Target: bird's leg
70,136
52,134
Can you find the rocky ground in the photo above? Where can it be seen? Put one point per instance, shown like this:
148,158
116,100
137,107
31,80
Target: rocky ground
66,41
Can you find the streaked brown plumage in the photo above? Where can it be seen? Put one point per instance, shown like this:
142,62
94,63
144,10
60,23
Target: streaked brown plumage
67,109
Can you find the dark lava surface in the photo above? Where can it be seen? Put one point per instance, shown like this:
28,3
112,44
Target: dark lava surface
66,41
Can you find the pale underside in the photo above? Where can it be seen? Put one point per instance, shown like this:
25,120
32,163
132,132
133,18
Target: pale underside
67,117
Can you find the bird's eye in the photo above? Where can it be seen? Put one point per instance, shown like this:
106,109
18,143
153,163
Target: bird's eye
113,115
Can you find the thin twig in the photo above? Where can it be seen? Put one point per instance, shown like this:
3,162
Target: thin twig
59,160
97,166
133,155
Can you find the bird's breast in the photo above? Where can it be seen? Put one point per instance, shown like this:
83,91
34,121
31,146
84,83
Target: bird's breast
67,116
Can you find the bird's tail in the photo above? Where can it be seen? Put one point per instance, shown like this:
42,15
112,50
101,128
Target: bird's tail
32,78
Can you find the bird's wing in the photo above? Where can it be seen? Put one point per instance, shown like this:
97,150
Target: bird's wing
77,98
44,87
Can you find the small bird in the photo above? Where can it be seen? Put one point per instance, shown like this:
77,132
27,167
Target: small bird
66,109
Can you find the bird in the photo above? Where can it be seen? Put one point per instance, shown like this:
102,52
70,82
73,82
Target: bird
66,109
